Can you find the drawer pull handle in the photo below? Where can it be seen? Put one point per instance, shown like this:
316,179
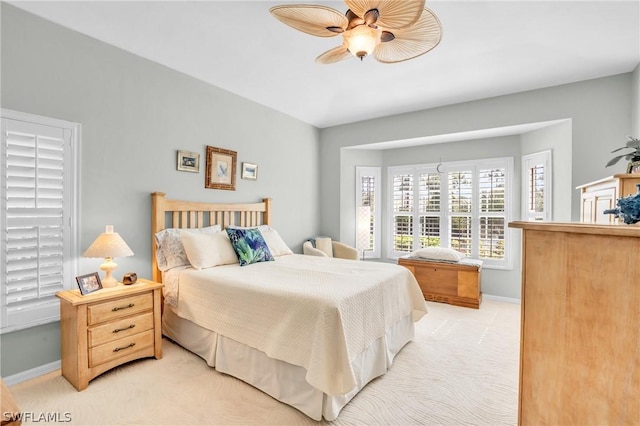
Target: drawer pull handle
117,308
118,330
130,345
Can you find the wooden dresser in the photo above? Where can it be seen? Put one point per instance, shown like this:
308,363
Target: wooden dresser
102,330
450,283
580,338
598,196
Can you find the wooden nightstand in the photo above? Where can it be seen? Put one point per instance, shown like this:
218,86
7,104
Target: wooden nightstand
107,328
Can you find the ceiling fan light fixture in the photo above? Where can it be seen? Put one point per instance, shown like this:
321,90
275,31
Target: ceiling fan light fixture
389,30
362,40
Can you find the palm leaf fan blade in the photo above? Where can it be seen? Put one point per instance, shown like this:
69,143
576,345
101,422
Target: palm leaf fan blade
393,13
411,42
311,19
334,55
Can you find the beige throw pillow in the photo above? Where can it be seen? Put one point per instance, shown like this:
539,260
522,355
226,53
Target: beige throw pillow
324,244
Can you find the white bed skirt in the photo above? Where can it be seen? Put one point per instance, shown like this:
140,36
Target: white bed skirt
267,374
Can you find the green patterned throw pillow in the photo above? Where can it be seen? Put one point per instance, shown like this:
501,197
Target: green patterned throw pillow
249,245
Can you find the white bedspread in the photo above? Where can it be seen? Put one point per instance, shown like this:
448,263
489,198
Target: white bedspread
315,312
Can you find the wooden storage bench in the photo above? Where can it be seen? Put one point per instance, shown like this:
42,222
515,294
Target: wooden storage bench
453,283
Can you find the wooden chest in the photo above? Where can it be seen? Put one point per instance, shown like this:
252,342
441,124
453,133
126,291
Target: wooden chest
450,283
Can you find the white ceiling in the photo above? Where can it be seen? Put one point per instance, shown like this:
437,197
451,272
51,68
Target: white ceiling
489,48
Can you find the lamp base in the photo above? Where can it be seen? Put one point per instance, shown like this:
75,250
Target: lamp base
109,266
109,281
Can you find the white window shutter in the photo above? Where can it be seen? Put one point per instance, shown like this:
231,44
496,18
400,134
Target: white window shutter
463,205
37,205
368,194
537,186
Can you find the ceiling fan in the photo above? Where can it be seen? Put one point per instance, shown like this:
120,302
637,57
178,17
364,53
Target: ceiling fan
393,30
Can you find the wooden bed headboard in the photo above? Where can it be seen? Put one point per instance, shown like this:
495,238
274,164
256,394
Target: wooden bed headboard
167,213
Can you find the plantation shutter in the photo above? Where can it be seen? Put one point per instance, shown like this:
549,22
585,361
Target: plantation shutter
460,210
492,184
36,232
429,194
403,213
537,186
368,195
461,205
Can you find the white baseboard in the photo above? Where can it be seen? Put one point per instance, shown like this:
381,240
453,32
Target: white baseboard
501,299
31,374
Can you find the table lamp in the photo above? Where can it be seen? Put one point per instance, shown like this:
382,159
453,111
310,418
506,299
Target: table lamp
108,245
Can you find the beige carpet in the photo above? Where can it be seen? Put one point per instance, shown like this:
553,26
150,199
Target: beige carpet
461,369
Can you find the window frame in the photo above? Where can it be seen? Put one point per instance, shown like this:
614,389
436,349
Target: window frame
544,157
444,169
70,217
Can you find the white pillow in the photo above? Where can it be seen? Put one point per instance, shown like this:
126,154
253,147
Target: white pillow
208,250
439,253
274,241
169,249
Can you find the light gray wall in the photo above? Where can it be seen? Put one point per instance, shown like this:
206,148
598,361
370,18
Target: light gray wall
135,114
599,110
635,103
599,113
556,137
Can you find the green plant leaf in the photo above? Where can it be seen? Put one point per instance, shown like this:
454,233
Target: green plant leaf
614,160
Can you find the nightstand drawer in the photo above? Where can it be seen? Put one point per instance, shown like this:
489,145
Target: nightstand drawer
119,308
120,328
119,348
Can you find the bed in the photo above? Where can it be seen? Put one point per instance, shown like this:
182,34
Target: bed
309,331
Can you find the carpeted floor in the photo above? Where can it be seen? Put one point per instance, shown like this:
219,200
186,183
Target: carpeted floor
461,369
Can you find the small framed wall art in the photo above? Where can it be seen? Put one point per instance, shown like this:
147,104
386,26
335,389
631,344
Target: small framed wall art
220,170
249,171
188,161
89,283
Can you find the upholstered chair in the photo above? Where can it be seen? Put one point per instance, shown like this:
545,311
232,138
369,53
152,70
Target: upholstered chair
327,248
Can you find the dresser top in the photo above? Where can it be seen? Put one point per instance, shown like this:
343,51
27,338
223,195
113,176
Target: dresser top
621,230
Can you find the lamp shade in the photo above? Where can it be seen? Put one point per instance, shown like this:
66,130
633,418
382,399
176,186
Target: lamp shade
108,244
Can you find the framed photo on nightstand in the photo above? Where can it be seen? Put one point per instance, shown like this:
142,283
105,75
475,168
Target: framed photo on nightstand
89,283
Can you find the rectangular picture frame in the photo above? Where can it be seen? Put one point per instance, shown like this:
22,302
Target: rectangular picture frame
188,161
249,171
89,283
220,170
